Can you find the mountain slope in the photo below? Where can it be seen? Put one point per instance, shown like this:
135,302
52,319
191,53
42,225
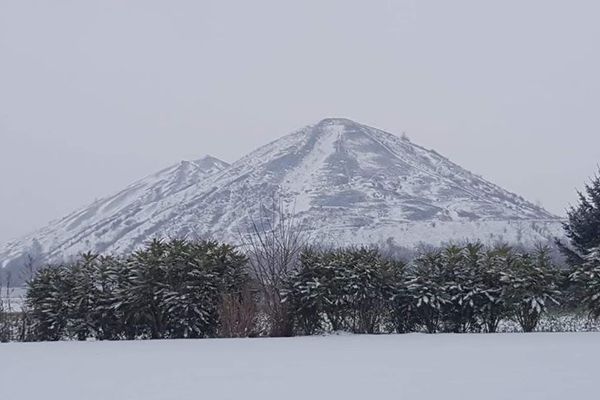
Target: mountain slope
348,183
107,219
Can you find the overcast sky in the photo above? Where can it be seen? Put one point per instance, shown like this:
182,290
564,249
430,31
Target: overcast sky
96,94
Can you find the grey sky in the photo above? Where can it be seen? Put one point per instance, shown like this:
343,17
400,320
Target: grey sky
96,94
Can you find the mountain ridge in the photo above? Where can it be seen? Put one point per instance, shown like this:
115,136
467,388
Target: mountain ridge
347,182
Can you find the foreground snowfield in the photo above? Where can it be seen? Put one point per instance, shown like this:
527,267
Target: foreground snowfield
510,366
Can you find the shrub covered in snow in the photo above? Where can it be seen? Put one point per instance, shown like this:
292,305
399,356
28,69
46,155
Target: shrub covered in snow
347,289
587,280
183,289
171,289
456,289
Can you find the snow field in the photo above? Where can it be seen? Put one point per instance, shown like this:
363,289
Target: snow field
416,366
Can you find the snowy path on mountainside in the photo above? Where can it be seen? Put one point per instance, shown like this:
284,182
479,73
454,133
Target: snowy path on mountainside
306,175
431,367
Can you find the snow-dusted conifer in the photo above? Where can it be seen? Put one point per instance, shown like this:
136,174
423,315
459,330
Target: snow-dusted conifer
426,291
48,301
583,225
587,278
531,287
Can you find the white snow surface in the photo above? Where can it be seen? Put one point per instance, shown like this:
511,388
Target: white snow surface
349,183
416,366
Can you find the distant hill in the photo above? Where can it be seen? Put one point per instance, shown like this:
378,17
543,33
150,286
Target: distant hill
347,182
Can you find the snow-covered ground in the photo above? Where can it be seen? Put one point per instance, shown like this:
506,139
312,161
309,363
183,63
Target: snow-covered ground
511,366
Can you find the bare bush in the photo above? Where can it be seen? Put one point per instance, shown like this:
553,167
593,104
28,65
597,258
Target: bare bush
238,315
274,242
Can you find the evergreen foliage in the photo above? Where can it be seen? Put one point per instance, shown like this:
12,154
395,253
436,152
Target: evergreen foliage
587,279
583,224
455,289
491,297
48,297
344,289
530,287
182,289
583,231
168,289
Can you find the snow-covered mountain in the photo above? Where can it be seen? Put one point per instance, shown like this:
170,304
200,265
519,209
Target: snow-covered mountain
348,183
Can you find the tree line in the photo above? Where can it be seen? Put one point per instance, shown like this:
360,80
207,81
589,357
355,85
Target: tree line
186,289
172,289
457,289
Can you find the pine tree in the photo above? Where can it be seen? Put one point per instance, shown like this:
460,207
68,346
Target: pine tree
583,225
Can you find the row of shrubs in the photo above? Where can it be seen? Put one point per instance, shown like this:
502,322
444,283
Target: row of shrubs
175,289
456,289
187,289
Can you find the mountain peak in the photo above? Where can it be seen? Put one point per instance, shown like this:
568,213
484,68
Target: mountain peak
207,158
337,121
208,161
